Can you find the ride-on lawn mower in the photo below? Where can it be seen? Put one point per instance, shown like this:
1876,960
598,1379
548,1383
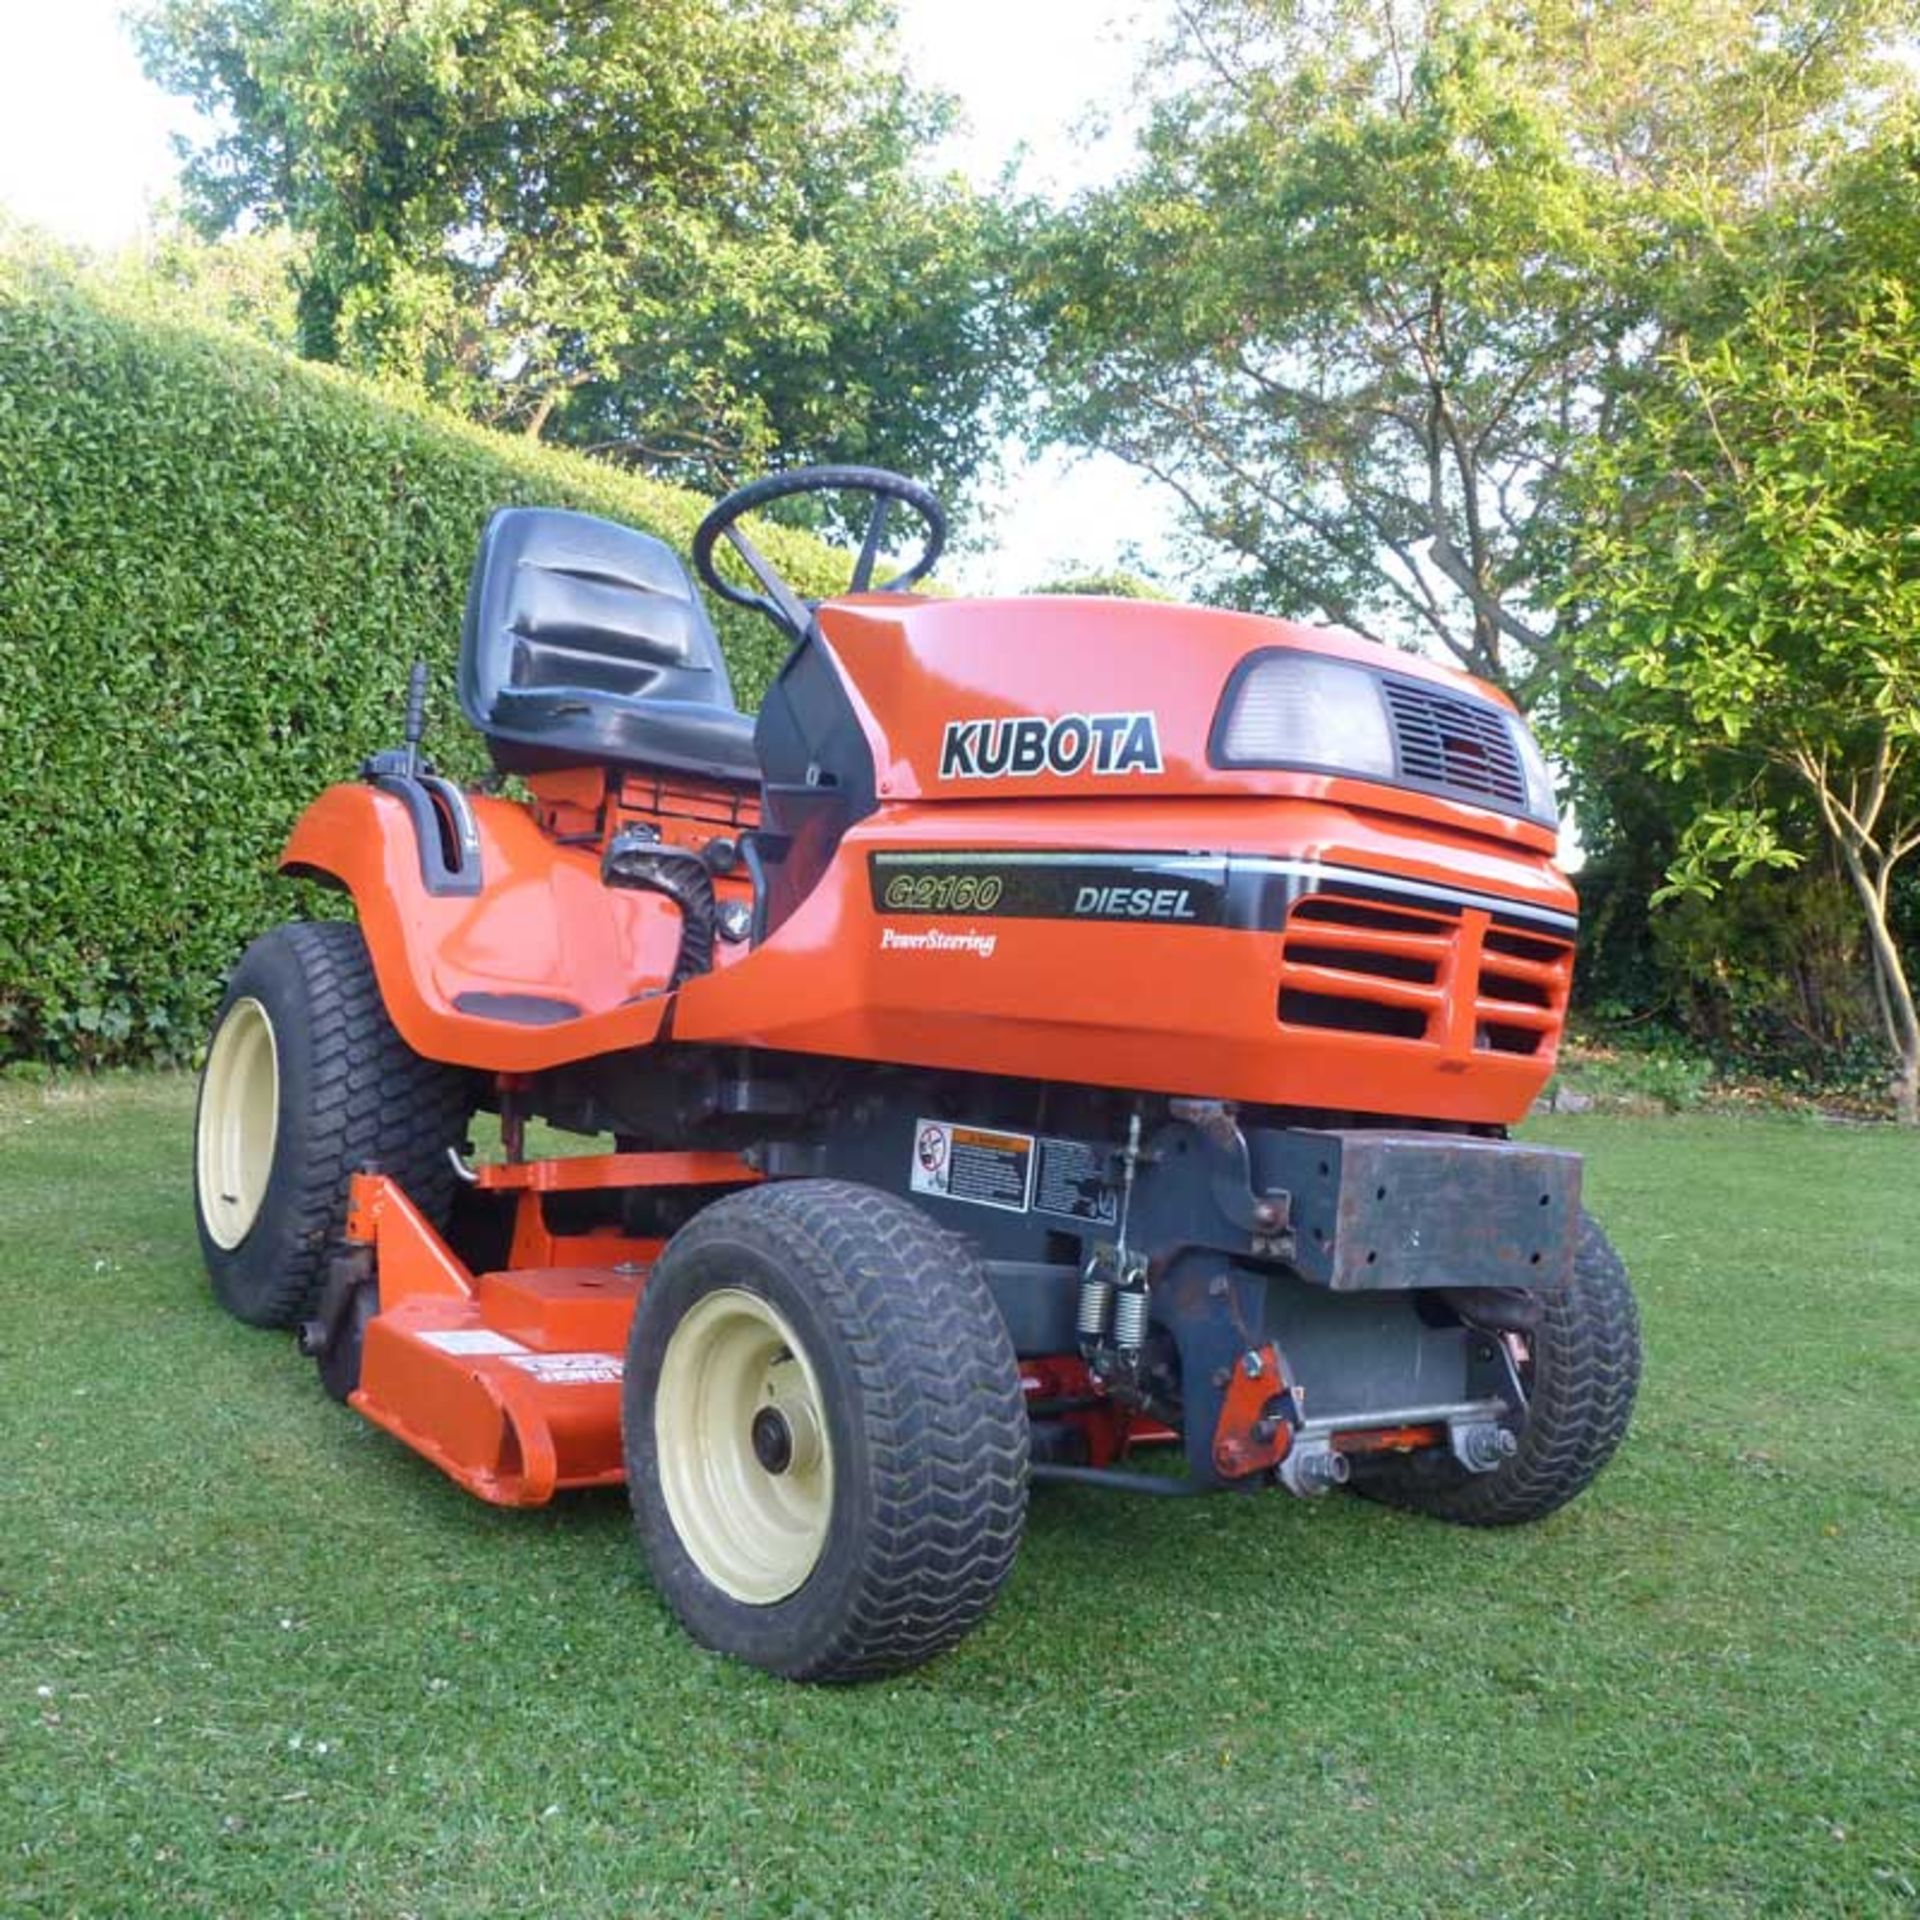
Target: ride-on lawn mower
1054,1030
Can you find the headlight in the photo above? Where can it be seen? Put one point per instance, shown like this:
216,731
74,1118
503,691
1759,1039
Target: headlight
1542,802
1299,709
1290,709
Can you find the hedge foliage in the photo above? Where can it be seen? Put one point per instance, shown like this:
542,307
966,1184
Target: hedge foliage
216,567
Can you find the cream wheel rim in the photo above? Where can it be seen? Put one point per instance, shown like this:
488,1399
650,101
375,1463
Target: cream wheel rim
740,1431
239,1121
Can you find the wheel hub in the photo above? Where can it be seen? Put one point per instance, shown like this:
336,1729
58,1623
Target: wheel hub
745,1465
772,1440
239,1122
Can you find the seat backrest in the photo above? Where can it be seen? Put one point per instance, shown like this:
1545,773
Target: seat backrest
569,620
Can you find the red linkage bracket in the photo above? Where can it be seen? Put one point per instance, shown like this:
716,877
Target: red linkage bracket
1253,1433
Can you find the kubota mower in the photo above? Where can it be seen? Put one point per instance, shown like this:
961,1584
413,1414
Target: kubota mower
1056,1039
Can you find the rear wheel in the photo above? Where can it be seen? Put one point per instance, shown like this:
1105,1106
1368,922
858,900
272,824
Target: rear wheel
826,1439
1581,1370
305,1081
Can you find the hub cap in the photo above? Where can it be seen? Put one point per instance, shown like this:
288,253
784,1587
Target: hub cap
745,1463
239,1120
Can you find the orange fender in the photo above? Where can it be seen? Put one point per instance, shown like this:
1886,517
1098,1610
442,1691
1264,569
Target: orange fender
541,966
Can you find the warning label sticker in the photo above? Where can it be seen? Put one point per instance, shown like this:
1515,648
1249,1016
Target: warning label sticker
1073,1182
571,1369
976,1164
471,1340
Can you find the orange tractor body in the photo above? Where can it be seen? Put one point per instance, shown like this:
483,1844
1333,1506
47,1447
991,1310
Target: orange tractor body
1139,995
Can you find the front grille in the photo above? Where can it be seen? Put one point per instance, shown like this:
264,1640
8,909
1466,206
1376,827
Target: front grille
1413,975
1454,744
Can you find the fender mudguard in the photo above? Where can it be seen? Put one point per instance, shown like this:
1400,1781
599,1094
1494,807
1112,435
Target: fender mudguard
537,965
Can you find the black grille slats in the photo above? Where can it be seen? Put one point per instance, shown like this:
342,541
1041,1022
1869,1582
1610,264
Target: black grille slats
1455,745
1348,966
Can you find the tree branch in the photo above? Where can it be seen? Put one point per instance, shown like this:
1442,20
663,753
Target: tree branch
1286,506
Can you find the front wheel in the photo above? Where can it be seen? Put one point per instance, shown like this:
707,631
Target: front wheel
1581,1370
826,1440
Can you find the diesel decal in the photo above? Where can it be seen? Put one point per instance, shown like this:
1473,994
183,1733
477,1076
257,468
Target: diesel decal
1251,892
1032,744
1134,903
1186,889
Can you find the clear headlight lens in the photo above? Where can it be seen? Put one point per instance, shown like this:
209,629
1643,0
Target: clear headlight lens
1542,802
1301,710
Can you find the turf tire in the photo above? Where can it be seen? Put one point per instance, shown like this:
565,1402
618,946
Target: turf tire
919,1394
351,1092
1585,1374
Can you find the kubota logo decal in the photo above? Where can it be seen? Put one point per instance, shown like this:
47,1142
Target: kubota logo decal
1032,744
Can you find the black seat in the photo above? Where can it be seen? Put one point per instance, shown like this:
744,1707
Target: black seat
585,643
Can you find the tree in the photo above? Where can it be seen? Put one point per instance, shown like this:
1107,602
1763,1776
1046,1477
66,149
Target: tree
685,232
1384,265
1750,571
244,279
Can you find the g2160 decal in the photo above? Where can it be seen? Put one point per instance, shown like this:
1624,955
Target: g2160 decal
941,890
1032,744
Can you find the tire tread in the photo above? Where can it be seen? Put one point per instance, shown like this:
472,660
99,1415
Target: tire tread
943,1416
1587,1378
369,1099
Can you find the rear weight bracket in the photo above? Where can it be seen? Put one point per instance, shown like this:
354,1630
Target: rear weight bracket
1265,1217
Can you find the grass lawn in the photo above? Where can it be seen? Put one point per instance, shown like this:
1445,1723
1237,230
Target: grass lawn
255,1658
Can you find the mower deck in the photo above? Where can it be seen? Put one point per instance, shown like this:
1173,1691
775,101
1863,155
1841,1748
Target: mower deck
509,1382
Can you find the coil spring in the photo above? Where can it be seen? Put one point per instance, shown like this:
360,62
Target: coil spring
1096,1301
1130,1318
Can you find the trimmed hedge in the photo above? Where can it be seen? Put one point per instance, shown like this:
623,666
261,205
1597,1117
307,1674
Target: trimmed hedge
216,567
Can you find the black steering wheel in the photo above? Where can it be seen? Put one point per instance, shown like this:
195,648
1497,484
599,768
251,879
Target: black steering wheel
779,602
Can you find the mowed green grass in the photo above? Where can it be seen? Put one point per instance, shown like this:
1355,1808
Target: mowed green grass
256,1659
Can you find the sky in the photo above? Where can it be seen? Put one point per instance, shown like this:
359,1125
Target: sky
84,152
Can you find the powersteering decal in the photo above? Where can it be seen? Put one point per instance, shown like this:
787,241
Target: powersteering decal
1031,744
936,940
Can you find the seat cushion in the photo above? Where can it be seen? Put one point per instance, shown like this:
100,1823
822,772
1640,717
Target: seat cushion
551,727
586,642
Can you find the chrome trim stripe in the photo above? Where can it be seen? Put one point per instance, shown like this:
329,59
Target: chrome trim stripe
1052,857
1317,875
1565,924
